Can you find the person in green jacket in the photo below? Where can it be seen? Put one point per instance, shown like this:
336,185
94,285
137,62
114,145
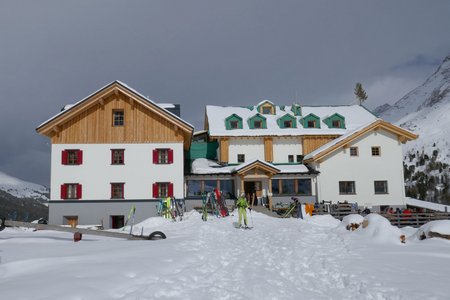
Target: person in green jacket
242,205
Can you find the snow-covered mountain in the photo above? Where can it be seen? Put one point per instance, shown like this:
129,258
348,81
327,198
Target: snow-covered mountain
425,111
22,189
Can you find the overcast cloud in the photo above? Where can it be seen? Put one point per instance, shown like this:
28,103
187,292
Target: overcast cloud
205,52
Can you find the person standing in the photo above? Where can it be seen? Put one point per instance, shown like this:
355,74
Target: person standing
242,205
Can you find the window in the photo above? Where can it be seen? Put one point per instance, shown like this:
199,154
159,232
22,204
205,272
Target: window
72,157
163,156
353,151
381,187
291,158
347,187
210,185
117,156
376,151
194,188
287,124
304,186
241,158
117,191
311,124
336,124
118,118
227,188
300,158
71,191
266,110
257,124
234,124
275,187
288,186
162,189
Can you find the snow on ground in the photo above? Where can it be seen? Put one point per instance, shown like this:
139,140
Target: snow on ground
277,259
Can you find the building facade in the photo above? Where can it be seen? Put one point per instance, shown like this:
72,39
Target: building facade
112,151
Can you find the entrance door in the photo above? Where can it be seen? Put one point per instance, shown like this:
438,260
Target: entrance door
252,190
117,222
71,220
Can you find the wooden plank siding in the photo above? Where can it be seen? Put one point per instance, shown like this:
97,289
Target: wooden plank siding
311,143
94,125
223,144
268,149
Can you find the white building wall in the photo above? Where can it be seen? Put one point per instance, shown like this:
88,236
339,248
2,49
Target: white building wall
284,146
96,173
364,169
253,148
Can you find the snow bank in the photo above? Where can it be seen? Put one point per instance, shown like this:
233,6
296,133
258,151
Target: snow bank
379,230
441,227
351,219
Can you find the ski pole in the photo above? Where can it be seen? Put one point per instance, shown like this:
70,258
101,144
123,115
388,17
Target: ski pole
251,216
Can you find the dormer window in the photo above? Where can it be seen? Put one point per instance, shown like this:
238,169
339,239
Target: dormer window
257,124
287,121
266,110
258,121
233,122
335,121
310,121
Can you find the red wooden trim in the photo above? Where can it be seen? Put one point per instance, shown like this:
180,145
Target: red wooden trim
155,190
155,156
79,191
64,157
170,192
80,157
63,191
170,151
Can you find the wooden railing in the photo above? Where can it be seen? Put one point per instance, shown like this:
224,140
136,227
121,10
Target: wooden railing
415,219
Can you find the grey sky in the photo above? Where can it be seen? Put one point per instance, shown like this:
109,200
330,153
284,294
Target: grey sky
205,52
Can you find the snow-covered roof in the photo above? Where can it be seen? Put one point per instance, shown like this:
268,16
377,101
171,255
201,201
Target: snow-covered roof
206,166
355,116
428,205
69,107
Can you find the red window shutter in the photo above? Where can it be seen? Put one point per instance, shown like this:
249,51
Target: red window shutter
123,191
112,156
170,189
155,190
63,191
170,156
79,191
123,157
155,156
80,157
64,157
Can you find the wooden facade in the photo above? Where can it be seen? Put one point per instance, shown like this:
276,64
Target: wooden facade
91,122
268,149
223,145
311,143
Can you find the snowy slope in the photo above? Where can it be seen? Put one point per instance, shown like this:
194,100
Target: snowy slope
277,259
425,111
22,189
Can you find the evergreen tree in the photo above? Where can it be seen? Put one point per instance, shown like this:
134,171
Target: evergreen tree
360,93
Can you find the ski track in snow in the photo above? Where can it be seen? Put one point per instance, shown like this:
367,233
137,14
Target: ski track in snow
277,259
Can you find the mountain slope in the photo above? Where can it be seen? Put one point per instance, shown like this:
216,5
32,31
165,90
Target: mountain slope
426,111
22,189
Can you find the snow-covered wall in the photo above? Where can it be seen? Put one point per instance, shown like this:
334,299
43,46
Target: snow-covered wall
364,169
284,146
252,148
96,173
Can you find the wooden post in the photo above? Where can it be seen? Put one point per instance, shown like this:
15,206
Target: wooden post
270,193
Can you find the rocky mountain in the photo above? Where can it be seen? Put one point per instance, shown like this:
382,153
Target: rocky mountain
426,111
22,200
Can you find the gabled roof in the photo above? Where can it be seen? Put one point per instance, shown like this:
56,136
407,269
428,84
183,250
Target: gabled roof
256,163
344,140
113,87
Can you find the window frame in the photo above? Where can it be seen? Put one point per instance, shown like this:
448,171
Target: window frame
290,158
260,124
343,187
241,158
163,156
74,189
234,124
311,123
336,125
118,121
266,110
299,158
353,154
113,157
376,150
385,187
114,185
287,124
